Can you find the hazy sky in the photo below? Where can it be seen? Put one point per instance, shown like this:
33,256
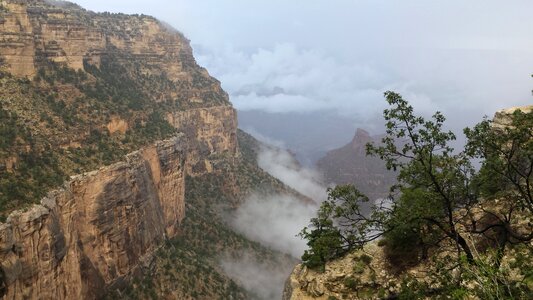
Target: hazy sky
466,58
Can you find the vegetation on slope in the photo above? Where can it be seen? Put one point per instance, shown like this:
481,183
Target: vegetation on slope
35,169
56,124
474,226
188,266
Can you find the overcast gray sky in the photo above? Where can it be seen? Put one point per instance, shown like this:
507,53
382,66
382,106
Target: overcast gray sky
465,58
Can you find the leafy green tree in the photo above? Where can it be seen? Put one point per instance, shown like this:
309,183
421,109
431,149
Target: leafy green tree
441,200
341,225
433,181
506,151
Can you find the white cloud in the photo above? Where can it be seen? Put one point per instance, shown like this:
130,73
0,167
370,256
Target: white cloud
275,221
265,281
288,79
464,84
282,165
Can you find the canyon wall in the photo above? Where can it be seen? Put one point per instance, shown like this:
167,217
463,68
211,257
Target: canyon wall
34,31
92,235
95,232
211,133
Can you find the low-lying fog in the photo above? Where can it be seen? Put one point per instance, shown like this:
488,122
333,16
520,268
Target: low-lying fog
275,221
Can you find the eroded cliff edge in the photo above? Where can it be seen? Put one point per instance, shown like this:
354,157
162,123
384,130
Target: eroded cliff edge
120,79
96,230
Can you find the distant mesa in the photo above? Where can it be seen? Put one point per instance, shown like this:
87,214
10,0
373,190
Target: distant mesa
350,165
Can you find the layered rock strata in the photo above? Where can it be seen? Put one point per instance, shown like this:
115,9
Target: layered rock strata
93,234
32,32
211,132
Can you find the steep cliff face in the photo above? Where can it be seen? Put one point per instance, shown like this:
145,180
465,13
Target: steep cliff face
209,259
34,31
80,90
94,232
102,86
212,135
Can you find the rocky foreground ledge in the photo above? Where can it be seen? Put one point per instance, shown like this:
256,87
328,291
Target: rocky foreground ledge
368,273
361,274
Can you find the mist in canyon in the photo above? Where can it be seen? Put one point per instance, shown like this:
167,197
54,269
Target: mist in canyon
264,281
275,220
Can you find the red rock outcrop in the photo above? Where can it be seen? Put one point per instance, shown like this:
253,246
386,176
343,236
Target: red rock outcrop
34,31
211,132
97,230
101,227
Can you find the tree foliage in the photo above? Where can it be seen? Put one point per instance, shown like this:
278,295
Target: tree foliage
507,154
341,225
442,205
